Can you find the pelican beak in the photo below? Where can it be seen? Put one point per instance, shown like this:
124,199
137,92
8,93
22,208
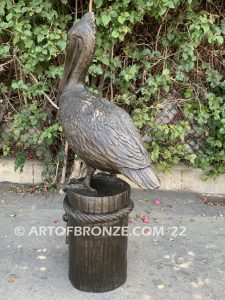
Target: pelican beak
72,50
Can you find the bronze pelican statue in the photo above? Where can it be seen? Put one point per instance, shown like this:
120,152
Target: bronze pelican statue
98,131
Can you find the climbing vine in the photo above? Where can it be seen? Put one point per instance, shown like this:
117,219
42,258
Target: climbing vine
162,61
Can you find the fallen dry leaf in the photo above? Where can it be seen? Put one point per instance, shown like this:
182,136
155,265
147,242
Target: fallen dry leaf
41,257
11,279
160,286
139,216
185,265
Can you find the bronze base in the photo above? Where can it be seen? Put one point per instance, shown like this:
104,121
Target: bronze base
97,243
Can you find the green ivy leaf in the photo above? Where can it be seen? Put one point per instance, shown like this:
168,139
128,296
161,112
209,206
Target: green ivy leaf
115,34
106,19
98,3
220,40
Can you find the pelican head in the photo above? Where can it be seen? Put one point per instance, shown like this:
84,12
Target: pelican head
79,51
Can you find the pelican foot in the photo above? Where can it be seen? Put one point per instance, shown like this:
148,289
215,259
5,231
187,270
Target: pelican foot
75,184
87,184
90,189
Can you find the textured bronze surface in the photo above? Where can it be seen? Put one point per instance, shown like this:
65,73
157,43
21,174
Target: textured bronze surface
98,263
83,218
105,194
101,133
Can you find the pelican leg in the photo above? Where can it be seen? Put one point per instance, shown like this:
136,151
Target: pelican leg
87,179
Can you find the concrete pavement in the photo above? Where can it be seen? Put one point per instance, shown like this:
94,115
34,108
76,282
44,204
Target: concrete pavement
186,261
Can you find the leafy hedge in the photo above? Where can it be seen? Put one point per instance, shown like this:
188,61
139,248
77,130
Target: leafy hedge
150,55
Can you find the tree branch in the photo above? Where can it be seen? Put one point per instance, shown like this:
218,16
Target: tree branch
46,96
90,5
36,81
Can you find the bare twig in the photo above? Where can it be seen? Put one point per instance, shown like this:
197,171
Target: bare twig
16,74
4,64
75,14
10,104
3,111
56,172
159,30
36,81
62,181
90,5
111,82
46,96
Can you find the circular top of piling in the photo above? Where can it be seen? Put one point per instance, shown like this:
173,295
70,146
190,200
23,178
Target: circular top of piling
112,194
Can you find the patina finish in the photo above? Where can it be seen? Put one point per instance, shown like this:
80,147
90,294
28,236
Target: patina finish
98,260
100,132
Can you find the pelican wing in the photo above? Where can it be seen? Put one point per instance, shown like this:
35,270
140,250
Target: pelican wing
107,133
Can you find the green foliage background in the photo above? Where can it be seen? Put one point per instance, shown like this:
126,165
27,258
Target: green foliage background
148,52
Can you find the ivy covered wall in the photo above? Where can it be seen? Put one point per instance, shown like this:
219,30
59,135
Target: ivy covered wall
162,61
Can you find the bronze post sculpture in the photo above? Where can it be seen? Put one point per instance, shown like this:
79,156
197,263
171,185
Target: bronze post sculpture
104,136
